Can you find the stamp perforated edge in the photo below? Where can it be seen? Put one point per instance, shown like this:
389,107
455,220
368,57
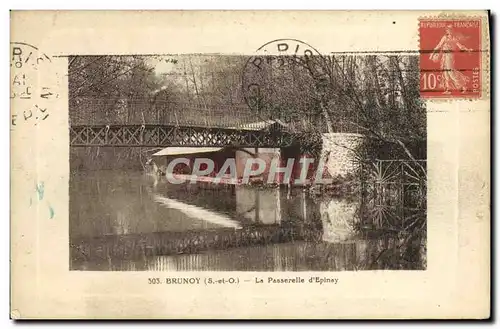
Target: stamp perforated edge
485,58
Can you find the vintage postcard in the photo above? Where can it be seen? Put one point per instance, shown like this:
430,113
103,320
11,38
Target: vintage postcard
250,165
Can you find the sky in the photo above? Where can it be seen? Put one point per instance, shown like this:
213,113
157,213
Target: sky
164,64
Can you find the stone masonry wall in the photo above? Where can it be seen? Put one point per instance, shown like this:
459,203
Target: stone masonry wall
337,152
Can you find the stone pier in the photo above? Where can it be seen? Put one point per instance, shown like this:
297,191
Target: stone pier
338,153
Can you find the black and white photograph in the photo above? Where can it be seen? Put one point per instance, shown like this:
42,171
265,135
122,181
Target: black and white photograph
285,160
215,164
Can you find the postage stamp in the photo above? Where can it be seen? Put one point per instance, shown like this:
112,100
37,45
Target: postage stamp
450,58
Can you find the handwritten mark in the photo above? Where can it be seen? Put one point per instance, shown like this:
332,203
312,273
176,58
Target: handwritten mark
40,189
51,212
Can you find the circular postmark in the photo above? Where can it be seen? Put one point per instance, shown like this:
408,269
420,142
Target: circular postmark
31,84
283,76
26,56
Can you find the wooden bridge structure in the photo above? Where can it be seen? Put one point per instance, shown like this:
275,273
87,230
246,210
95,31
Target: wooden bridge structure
153,135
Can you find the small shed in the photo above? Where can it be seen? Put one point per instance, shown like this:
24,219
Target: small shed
162,158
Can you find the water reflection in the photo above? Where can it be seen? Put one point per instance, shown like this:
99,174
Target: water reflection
338,217
130,221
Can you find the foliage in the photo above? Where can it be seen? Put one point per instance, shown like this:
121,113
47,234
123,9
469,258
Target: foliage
116,89
377,96
374,95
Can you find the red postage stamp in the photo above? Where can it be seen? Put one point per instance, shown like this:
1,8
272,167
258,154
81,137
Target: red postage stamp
450,58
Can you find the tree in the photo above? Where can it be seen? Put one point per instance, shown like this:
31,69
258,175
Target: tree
115,89
375,95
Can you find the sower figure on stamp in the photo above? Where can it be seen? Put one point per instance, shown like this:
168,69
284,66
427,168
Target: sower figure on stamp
452,79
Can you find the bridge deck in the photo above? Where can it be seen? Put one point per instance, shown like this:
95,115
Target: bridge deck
173,135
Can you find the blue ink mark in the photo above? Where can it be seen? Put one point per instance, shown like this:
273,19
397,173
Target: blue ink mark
51,212
40,190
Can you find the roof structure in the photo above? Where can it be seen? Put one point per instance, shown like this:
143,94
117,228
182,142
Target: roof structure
260,125
186,150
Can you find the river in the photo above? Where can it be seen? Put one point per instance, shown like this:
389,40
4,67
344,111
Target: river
128,220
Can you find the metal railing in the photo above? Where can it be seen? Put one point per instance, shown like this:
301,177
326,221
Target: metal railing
394,192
